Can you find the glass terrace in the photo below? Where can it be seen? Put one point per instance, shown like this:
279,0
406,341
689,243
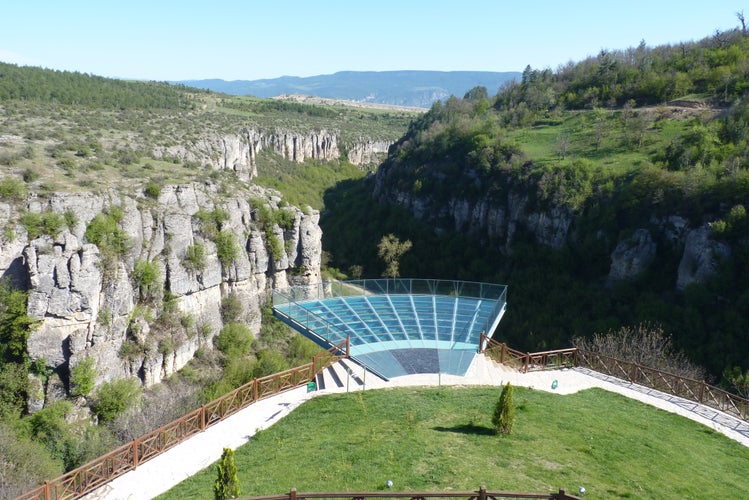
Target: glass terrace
397,326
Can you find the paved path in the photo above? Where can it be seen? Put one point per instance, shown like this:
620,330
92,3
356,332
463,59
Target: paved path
170,468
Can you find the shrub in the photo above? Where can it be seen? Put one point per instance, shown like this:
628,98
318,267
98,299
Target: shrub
152,190
52,223
195,258
269,362
12,189
227,483
37,224
226,248
114,397
32,222
285,218
504,412
104,232
71,219
48,426
231,308
82,377
234,340
147,278
275,246
644,345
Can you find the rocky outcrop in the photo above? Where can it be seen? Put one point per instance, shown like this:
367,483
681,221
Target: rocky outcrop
486,218
497,217
701,257
368,152
238,152
632,256
90,302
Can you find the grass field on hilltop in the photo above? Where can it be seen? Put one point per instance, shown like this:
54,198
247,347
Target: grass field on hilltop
438,439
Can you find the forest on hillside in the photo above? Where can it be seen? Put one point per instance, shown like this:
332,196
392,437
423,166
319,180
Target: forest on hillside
625,140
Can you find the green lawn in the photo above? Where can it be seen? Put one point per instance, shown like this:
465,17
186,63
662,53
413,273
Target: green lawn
440,439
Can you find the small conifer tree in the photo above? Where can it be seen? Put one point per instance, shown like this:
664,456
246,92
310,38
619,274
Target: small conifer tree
504,411
227,483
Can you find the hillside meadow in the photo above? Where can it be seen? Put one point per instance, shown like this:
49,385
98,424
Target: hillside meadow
440,439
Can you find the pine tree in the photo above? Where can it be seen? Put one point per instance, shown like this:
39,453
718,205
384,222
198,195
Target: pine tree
504,411
227,483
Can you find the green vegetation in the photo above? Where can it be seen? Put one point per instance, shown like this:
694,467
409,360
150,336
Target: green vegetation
227,484
83,377
637,139
503,418
147,278
227,248
46,223
104,232
194,260
390,250
234,340
65,87
112,398
432,439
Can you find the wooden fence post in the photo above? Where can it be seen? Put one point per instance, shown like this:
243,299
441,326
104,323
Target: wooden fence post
135,453
47,492
482,493
292,494
202,418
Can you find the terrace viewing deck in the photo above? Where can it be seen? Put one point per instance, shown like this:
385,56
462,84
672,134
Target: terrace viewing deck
397,326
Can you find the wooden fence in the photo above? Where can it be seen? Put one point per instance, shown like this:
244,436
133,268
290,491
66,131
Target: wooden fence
669,383
102,470
480,494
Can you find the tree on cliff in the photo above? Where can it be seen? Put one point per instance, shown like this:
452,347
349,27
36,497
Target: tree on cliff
390,249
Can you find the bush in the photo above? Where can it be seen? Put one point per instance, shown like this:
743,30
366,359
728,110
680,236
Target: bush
114,397
234,340
268,363
104,232
504,412
226,248
644,345
12,189
285,218
147,277
48,426
25,463
82,377
227,483
231,308
195,258
152,190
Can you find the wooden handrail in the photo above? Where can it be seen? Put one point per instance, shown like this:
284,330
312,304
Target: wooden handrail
481,494
96,473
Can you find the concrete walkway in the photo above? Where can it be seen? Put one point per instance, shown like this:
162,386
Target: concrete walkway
170,468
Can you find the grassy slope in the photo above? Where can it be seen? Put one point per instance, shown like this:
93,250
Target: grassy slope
440,439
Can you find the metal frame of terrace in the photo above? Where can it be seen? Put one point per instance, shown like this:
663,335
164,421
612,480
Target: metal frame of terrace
393,322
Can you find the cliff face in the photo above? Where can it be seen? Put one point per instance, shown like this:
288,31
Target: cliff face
497,218
238,152
93,303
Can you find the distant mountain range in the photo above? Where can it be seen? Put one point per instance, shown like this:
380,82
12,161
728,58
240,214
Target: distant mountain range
402,88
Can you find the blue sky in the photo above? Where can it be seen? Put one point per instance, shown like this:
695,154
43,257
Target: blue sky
247,40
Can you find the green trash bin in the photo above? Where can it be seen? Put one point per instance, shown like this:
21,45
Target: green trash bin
311,386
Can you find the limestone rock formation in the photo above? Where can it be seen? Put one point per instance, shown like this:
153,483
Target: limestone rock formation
238,152
632,255
90,303
700,258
